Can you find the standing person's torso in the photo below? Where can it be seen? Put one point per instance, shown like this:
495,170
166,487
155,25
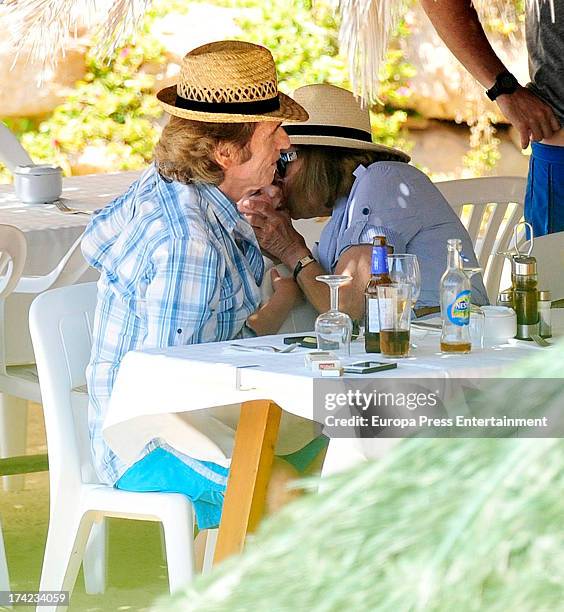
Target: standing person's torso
545,45
400,202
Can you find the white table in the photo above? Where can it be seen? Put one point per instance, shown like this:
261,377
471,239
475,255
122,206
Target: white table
190,396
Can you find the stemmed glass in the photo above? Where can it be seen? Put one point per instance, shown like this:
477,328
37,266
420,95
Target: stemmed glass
404,268
334,328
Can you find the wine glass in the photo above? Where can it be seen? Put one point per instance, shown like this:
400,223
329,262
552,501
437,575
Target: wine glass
470,272
404,268
334,328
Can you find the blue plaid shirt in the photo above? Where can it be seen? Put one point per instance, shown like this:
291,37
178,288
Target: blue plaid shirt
178,265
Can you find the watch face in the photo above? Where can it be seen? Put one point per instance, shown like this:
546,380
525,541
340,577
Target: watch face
507,82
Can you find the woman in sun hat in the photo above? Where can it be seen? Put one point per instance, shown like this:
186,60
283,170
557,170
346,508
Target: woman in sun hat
334,168
178,263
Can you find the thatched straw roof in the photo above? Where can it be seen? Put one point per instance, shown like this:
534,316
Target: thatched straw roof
42,28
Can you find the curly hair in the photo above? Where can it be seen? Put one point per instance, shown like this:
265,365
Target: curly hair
326,173
186,149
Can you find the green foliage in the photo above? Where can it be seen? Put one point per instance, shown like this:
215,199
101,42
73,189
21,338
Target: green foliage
302,36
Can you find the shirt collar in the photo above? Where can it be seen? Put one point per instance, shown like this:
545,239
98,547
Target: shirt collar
224,208
227,213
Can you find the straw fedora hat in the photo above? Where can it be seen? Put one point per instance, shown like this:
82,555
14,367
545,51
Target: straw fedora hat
229,82
336,119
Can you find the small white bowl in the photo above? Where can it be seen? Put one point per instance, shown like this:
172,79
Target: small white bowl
38,183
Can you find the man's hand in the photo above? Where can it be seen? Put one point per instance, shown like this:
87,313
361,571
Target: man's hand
271,195
286,286
274,231
530,115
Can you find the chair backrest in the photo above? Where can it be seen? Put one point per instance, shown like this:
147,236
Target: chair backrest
12,153
13,251
549,253
489,208
15,337
60,322
71,267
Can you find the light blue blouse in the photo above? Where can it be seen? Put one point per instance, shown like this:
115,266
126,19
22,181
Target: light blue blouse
400,202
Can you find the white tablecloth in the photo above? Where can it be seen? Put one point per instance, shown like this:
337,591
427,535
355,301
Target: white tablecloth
49,234
190,395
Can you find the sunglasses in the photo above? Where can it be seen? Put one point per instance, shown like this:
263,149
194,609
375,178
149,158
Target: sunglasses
285,159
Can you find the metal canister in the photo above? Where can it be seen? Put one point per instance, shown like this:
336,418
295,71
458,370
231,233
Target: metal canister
545,318
525,295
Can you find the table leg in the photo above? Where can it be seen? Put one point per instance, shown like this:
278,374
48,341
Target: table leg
251,466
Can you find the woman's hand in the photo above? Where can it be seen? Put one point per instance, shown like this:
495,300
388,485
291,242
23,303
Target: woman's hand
270,196
274,231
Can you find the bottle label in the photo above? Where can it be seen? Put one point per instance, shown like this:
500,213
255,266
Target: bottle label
373,316
379,260
458,312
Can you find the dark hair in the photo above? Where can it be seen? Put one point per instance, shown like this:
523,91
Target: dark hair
326,173
186,149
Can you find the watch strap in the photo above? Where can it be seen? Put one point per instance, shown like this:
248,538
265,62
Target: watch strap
302,263
505,83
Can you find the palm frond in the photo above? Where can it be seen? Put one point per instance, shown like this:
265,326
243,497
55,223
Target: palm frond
41,30
364,35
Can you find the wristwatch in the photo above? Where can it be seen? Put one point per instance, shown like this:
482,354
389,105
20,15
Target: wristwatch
302,263
505,83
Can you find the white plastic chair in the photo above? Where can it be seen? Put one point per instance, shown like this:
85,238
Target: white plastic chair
489,208
549,253
60,325
13,249
19,383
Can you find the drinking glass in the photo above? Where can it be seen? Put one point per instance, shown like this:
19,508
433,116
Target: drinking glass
471,271
334,328
477,327
404,268
394,309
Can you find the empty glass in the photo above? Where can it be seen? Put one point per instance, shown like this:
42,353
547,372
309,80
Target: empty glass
404,268
477,326
334,328
394,308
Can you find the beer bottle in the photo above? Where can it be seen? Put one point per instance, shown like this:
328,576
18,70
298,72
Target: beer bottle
379,276
455,303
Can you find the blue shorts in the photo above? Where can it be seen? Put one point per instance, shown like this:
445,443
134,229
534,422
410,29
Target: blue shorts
165,470
544,200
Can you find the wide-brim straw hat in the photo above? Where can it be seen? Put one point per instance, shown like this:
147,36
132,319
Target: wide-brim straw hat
336,119
229,82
